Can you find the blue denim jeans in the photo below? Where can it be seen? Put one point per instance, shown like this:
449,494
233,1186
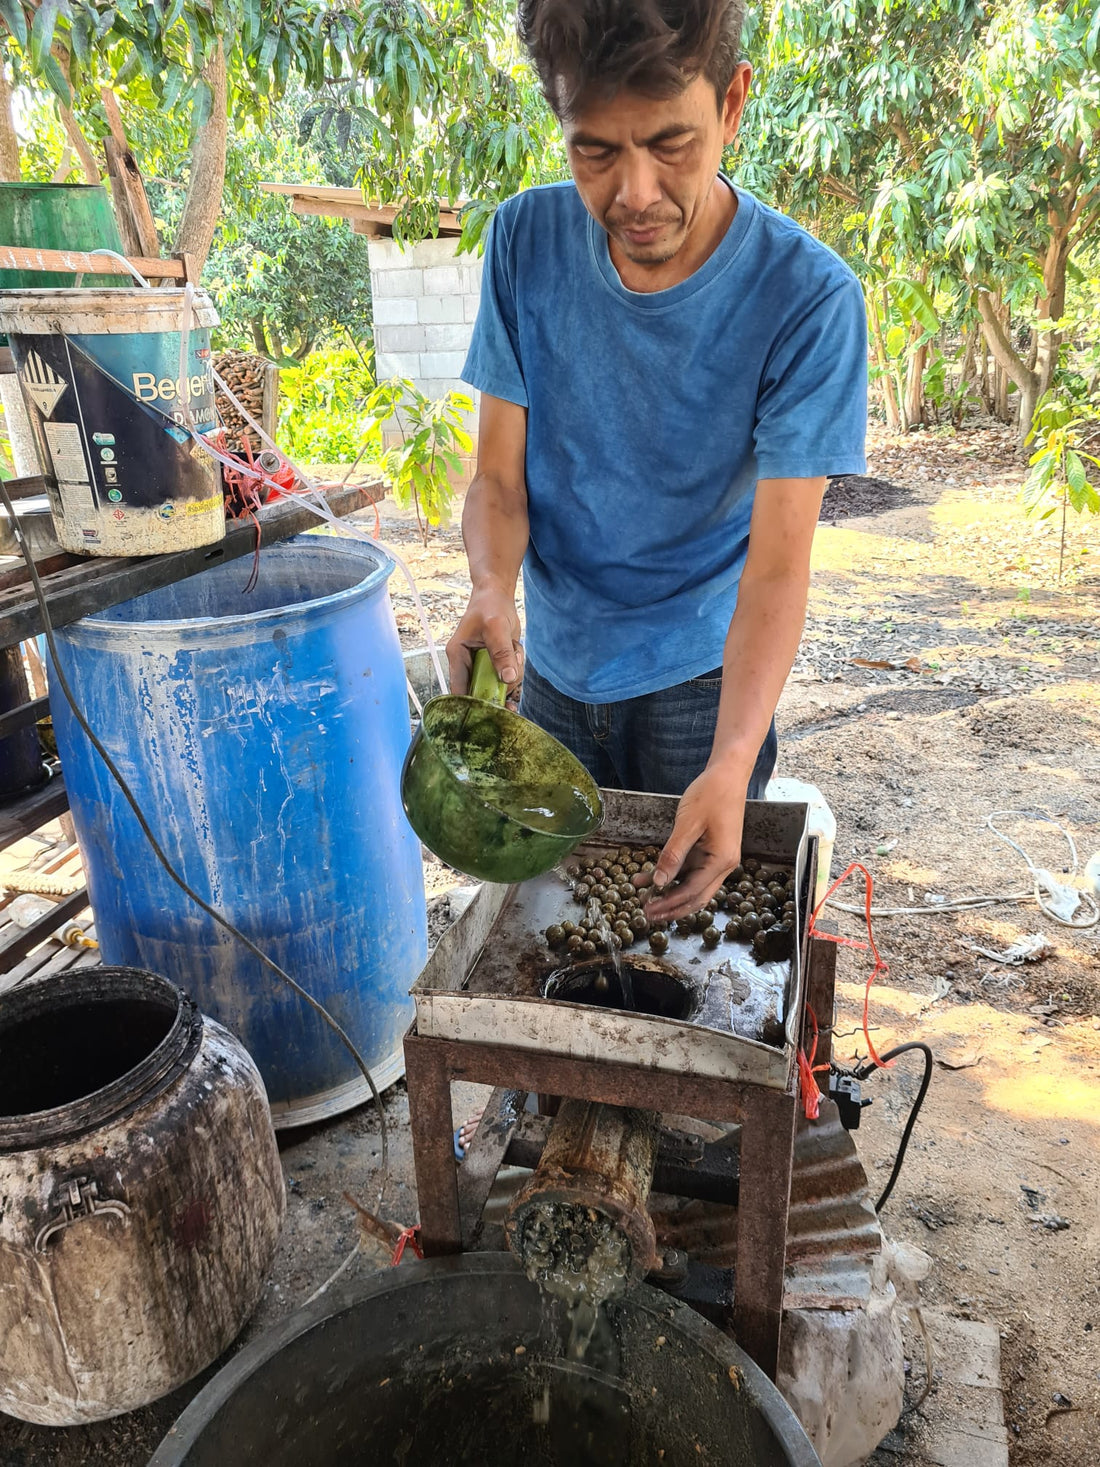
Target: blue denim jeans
657,743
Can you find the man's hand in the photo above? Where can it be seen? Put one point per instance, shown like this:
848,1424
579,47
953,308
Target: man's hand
491,621
705,844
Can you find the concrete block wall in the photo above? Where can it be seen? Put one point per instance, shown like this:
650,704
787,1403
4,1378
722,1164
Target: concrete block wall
425,300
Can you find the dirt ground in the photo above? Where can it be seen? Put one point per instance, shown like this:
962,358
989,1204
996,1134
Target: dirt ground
945,675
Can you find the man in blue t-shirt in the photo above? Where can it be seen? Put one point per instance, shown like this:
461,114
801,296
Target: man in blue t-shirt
669,370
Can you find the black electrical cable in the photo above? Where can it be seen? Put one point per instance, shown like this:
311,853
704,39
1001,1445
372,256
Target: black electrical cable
212,912
867,1070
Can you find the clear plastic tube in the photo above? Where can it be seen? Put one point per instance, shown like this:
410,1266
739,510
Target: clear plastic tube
312,498
124,262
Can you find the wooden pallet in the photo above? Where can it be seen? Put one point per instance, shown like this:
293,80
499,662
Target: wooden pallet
28,954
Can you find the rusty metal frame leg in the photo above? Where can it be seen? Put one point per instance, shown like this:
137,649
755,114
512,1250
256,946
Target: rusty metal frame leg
821,991
432,1124
767,1156
484,1159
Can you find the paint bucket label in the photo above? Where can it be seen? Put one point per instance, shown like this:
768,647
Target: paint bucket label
109,412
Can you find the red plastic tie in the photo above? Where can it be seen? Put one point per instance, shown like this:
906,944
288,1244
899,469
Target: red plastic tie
879,967
411,1237
809,1089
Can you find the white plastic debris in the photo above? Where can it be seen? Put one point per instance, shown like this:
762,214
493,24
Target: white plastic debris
1025,950
25,910
1062,901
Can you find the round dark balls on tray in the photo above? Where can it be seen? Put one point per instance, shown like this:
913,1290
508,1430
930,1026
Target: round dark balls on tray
658,941
555,935
711,937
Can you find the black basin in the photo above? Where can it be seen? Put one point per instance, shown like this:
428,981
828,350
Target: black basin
462,1361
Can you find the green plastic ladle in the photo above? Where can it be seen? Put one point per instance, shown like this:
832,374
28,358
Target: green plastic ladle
491,793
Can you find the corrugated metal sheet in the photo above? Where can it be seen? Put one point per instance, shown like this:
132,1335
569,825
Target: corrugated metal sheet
833,1234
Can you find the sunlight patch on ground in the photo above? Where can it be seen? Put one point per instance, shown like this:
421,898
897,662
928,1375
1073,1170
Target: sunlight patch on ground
902,870
1020,1070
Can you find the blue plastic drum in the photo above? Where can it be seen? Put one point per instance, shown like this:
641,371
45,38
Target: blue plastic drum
263,735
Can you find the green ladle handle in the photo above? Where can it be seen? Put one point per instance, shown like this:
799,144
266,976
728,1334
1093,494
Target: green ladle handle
484,682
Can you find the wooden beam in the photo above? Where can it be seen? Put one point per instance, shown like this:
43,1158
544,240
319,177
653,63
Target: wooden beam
27,713
269,413
348,203
26,813
17,946
94,584
26,488
81,262
132,209
354,212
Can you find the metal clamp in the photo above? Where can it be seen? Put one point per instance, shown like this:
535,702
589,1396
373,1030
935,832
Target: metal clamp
79,1197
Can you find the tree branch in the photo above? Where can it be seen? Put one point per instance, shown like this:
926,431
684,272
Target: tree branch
830,184
135,218
9,142
1004,354
901,132
208,149
81,147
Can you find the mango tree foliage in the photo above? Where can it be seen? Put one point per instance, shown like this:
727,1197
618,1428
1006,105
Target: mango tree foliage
437,103
949,148
439,107
283,283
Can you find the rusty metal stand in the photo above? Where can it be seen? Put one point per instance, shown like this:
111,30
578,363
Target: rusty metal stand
451,1205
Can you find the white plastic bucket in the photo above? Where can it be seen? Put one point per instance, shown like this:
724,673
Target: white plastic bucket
109,408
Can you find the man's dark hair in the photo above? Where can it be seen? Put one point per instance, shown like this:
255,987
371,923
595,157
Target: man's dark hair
584,50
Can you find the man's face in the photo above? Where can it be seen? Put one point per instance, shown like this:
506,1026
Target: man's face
646,166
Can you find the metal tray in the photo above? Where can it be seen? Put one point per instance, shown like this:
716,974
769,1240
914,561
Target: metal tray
483,983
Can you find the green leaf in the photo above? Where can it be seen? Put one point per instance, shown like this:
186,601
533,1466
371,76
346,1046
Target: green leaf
1092,40
281,68
56,79
42,31
265,58
203,105
917,304
128,70
80,37
11,12
1075,473
174,82
250,26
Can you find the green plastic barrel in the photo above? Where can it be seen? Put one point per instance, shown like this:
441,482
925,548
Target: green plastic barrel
57,216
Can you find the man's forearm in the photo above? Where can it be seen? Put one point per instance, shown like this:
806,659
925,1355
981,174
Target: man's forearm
760,650
495,531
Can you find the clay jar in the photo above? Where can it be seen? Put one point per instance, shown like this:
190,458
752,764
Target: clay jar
141,1194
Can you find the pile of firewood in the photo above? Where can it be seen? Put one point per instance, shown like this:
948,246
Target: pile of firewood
243,374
